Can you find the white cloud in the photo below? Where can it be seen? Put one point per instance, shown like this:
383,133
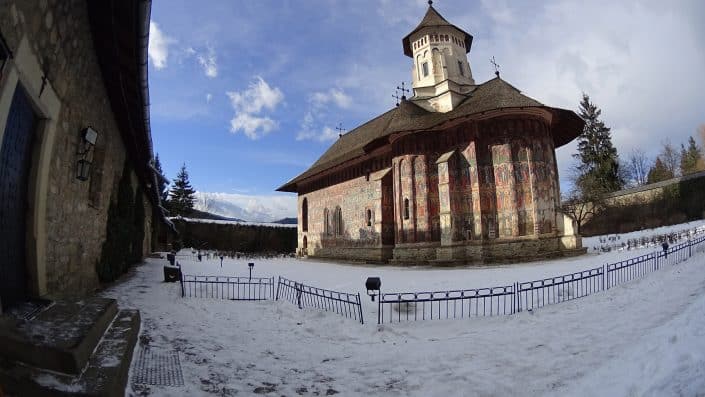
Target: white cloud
334,95
252,126
249,103
324,135
257,96
208,62
158,50
311,126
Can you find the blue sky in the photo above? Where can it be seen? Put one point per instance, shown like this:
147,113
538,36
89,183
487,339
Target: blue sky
248,93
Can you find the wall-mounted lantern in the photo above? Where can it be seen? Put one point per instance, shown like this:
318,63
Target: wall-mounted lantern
373,284
89,136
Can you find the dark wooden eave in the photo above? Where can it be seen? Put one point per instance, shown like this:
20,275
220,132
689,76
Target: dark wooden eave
120,30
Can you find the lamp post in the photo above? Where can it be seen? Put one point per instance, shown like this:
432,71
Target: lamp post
250,265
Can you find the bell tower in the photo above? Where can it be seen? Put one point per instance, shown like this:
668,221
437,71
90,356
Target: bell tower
441,74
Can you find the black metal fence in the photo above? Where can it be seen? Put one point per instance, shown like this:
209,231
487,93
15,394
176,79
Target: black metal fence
343,303
412,306
232,288
539,293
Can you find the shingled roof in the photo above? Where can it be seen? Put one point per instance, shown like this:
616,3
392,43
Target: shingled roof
433,19
408,117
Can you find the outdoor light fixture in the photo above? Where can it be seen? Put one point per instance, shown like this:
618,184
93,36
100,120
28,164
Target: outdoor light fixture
89,136
251,265
373,284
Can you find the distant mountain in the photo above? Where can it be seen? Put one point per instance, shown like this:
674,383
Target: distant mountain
207,215
248,208
287,221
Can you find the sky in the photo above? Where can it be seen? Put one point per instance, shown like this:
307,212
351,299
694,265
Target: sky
248,94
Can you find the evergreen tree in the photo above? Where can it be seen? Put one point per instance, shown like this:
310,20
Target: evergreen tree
182,196
659,172
598,167
691,157
161,180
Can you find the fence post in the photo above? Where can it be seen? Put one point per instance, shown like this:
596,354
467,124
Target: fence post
271,293
298,294
379,308
359,306
279,281
181,278
605,278
690,246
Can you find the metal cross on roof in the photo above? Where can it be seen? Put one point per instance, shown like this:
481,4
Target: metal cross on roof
403,91
496,66
340,129
396,96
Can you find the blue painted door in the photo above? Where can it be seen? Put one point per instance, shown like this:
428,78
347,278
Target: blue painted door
15,163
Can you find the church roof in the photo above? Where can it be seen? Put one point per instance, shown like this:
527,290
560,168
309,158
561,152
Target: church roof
430,20
408,117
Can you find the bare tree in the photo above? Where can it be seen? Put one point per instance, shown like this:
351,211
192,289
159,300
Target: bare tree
585,200
671,158
638,165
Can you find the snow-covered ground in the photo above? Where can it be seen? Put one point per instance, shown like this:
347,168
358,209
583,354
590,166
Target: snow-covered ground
645,337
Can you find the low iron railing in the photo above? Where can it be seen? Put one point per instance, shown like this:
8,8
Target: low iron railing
232,288
547,291
343,303
413,306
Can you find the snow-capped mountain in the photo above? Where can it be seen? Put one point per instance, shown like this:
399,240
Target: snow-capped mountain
249,208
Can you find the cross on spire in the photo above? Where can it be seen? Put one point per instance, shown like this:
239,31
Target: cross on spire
430,2
396,96
496,66
340,129
403,91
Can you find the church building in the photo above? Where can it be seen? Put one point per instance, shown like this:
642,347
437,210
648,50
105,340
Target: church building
460,173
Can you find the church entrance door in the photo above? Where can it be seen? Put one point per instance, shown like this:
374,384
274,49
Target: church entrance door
15,164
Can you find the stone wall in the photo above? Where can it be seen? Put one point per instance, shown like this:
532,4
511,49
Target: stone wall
356,227
59,38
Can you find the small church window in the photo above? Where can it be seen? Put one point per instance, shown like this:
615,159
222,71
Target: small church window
406,208
304,215
369,217
326,222
424,68
460,67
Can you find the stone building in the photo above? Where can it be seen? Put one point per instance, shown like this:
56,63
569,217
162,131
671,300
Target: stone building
74,123
459,173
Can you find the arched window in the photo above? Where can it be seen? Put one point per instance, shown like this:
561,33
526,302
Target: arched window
326,221
406,208
338,221
304,215
369,217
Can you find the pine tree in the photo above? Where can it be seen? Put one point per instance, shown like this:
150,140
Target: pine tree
161,180
691,157
182,196
598,167
659,172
